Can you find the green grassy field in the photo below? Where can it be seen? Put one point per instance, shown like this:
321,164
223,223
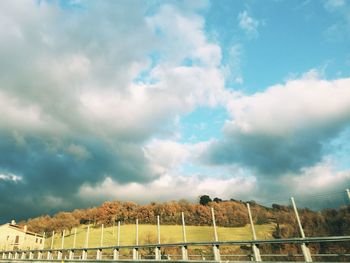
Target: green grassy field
169,234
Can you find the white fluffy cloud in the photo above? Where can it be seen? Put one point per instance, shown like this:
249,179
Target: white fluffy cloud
171,187
83,80
321,178
283,110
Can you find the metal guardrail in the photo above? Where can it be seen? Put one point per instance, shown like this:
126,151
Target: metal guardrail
113,252
157,250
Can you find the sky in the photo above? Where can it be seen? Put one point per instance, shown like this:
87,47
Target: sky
167,100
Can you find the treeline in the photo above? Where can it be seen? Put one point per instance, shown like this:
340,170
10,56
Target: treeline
231,213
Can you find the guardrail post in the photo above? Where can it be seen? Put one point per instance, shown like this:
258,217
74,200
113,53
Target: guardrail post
84,255
184,252
71,254
304,248
184,248
135,254
216,250
99,254
157,253
116,254
256,251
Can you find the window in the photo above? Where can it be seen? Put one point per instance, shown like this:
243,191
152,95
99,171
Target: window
17,240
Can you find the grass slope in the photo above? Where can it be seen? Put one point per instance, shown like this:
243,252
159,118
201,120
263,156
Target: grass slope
148,235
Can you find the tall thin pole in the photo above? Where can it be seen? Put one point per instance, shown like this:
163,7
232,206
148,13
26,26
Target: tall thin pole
158,229
251,221
216,250
304,248
137,233
101,243
52,239
75,237
116,250
297,217
62,244
118,234
157,249
87,237
184,247
348,193
256,251
135,255
214,225
183,227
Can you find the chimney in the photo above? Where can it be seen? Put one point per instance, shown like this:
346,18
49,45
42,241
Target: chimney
13,222
25,228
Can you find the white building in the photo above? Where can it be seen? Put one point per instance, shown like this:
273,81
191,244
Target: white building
13,237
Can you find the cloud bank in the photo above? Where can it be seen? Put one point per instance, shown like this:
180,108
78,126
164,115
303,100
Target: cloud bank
84,88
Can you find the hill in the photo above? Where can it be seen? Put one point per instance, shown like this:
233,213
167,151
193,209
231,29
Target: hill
148,234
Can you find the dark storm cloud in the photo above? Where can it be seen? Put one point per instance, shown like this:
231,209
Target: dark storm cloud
269,155
50,57
49,168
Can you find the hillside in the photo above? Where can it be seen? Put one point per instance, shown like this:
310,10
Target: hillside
147,234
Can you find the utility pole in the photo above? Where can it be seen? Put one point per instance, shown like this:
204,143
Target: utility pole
304,248
256,251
